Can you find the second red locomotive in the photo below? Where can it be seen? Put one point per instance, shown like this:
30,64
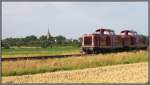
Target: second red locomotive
106,40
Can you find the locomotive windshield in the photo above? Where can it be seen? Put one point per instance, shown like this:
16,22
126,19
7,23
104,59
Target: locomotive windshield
132,33
105,32
122,33
109,33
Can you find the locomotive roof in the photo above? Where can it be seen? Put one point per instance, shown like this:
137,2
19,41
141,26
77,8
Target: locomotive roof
104,30
128,31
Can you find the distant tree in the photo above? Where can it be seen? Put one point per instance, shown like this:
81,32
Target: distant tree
76,42
42,41
10,41
51,41
43,38
44,44
19,42
68,41
30,38
60,39
5,45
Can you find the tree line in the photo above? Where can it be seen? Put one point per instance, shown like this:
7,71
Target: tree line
42,41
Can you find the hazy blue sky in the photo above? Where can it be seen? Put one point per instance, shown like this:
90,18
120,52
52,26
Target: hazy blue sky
72,19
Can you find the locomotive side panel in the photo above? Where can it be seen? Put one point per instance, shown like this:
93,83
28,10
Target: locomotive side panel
96,41
126,41
117,42
140,42
104,42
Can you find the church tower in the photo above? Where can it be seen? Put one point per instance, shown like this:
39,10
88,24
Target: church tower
48,34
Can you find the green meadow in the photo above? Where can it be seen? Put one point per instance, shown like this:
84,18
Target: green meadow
24,51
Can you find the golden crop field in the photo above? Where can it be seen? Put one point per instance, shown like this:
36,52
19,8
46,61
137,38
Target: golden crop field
127,73
24,67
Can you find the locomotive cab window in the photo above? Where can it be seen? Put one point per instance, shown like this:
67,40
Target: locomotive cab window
88,40
106,33
122,33
112,33
131,34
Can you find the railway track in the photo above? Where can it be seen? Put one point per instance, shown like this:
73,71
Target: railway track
39,57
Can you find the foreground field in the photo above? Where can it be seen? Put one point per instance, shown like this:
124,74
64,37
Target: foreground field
128,73
15,52
12,68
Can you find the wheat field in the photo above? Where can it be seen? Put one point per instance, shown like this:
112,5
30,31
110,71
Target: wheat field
26,67
127,73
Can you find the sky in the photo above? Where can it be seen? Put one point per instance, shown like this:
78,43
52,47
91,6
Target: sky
72,19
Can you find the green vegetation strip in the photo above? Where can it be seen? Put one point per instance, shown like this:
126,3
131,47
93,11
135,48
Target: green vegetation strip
10,68
17,52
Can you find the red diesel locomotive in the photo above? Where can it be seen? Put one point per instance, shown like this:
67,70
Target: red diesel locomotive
103,40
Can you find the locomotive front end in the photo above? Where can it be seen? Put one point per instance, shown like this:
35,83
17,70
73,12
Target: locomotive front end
87,43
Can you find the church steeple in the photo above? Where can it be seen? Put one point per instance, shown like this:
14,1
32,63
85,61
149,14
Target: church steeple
48,34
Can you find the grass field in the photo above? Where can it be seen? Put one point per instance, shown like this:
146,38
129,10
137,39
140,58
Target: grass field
15,52
125,73
11,68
